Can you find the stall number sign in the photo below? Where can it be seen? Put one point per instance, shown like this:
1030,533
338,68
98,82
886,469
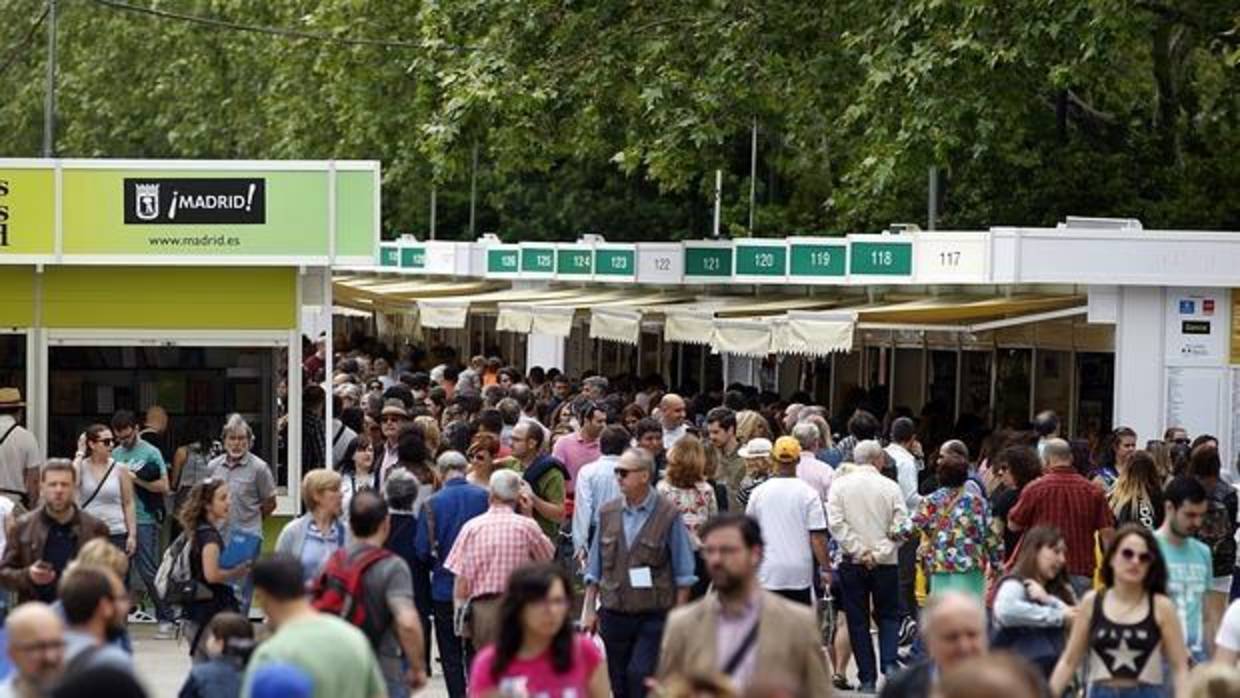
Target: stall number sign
615,262
540,260
882,258
576,262
389,256
413,258
814,260
764,260
502,261
708,261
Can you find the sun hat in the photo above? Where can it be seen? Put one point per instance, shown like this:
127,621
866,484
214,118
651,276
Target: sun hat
756,448
11,397
394,406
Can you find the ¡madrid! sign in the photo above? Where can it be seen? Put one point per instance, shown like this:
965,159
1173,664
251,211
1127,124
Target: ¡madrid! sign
148,211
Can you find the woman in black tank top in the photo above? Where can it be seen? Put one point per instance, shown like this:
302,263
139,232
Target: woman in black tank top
1128,628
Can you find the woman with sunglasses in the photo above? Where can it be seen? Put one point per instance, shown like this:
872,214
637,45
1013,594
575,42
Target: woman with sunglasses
105,489
1130,628
482,452
538,652
204,516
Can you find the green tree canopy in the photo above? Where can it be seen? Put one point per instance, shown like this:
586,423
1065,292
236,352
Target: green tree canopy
612,116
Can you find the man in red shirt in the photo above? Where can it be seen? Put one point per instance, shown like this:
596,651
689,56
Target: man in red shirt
1064,500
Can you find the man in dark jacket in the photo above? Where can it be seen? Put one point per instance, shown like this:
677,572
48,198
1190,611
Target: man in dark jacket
953,626
43,541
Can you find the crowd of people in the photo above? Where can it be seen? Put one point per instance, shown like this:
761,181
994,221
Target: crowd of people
545,536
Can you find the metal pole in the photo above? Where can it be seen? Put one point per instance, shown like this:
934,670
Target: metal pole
49,105
753,173
434,207
718,199
932,202
473,194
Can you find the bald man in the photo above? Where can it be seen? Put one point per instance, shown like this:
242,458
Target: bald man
672,416
953,626
36,648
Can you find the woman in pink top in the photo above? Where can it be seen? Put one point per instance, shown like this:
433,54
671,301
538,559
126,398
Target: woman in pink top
538,653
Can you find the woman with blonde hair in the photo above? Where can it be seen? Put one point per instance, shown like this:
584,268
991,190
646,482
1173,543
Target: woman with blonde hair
431,434
750,425
315,535
684,485
1137,494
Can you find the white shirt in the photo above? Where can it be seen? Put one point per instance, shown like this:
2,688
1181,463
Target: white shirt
596,485
671,436
340,445
787,509
864,512
6,511
816,474
18,454
1229,630
906,474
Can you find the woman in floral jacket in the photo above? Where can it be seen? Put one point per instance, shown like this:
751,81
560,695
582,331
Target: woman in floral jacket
959,543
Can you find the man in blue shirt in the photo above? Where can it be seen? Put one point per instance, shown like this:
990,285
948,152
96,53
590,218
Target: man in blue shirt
442,519
639,567
150,479
1189,563
596,486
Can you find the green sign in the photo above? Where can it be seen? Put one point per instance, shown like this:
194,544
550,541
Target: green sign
413,257
503,262
615,262
817,260
575,262
882,258
538,259
713,262
216,212
27,211
761,260
389,256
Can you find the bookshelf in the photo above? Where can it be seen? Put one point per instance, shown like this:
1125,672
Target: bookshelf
13,362
198,386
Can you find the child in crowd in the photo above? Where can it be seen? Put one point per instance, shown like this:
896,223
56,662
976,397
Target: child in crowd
229,637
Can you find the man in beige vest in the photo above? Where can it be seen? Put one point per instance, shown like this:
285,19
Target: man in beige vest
740,627
640,565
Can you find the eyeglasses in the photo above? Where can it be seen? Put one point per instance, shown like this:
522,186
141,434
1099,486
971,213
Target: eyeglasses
1129,554
391,418
41,647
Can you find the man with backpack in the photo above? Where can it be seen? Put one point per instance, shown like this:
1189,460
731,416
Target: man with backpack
19,453
336,655
1218,531
372,588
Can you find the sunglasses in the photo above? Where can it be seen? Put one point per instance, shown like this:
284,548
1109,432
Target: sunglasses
106,442
622,473
1129,554
392,418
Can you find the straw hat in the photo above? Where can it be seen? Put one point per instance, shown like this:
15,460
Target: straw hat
756,448
11,397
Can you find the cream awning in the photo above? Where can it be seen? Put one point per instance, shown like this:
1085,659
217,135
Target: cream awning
452,312
398,295
810,333
556,316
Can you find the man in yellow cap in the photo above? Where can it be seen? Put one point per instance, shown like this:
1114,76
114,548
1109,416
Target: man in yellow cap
794,527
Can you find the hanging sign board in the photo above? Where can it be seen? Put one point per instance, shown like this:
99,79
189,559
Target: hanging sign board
389,256
708,261
760,260
660,263
944,258
537,260
885,257
574,261
503,261
615,262
817,260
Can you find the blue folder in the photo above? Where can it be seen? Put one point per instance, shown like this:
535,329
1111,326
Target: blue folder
241,547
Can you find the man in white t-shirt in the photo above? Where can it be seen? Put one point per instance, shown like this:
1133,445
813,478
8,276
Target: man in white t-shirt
1227,642
793,524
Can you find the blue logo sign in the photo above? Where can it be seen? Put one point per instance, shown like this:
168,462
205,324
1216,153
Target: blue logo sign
1188,307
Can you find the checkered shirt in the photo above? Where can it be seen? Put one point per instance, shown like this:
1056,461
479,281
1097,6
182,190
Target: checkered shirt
491,546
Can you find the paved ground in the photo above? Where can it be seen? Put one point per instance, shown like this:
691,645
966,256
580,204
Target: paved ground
164,664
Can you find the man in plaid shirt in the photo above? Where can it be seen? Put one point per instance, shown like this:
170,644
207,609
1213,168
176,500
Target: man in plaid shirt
486,552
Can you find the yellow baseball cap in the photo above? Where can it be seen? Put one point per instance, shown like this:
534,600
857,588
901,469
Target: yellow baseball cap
787,449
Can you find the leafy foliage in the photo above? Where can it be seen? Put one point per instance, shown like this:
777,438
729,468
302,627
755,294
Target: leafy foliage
612,116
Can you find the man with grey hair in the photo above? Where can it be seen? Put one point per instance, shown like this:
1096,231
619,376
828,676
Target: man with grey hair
487,550
251,489
868,519
594,387
953,626
810,470
445,514
639,567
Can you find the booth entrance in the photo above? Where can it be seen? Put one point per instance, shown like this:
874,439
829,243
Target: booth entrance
13,361
198,378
